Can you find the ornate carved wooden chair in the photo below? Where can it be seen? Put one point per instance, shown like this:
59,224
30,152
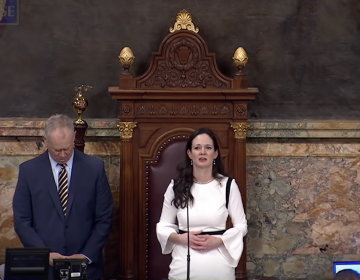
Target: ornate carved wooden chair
182,90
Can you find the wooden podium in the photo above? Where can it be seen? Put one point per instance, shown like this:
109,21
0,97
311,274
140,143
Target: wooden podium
181,91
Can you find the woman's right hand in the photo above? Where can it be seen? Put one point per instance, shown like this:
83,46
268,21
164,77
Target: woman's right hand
194,239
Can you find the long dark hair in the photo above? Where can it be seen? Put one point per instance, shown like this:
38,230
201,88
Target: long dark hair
185,179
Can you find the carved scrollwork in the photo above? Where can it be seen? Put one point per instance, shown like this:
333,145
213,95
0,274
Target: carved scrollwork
151,110
183,67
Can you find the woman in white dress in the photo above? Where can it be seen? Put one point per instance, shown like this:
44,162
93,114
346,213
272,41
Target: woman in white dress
214,251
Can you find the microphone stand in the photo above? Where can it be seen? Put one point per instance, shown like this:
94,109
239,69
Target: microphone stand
188,237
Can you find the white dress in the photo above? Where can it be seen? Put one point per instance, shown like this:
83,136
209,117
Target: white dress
207,213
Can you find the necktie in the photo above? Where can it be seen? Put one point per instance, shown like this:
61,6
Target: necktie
63,187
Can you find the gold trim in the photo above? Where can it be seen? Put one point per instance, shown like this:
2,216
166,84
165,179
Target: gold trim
126,129
240,129
183,21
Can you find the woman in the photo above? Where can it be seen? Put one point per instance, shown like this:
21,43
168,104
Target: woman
214,254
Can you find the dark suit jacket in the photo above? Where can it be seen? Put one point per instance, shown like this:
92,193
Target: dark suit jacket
38,217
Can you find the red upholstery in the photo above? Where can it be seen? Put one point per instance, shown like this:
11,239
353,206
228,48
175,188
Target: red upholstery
159,178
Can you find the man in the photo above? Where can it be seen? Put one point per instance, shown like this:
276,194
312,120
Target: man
71,215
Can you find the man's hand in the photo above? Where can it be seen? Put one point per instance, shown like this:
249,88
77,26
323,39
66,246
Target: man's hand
76,256
53,256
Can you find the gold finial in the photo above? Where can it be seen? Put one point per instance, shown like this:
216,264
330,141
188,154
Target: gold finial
126,58
80,103
126,129
183,21
240,129
240,59
2,8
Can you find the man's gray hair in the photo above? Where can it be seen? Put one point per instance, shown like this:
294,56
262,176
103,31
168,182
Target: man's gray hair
58,121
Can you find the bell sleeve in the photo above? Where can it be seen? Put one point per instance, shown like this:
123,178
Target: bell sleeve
166,225
233,237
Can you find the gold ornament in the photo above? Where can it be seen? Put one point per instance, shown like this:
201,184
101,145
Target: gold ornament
80,104
183,21
126,129
240,59
240,129
126,58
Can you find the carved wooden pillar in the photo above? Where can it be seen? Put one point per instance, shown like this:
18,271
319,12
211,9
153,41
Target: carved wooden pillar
126,202
240,130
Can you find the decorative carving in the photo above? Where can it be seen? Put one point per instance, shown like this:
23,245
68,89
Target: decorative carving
183,110
240,110
184,67
183,55
126,129
240,129
184,21
126,109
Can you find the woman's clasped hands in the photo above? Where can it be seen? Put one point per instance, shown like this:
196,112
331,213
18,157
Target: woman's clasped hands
204,242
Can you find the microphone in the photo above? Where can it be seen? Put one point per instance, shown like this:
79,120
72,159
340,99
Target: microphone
188,234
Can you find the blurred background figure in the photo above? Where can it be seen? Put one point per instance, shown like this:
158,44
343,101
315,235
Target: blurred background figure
2,269
347,274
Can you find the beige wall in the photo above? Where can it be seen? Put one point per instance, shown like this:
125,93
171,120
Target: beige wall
302,204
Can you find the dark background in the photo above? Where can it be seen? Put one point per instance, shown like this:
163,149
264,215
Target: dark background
304,56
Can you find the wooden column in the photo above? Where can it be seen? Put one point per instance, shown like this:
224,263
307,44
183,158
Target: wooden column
240,130
80,129
127,269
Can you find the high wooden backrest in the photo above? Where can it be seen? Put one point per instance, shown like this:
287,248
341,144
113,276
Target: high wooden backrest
161,171
182,90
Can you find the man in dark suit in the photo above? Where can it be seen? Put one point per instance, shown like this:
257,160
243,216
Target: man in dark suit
71,215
